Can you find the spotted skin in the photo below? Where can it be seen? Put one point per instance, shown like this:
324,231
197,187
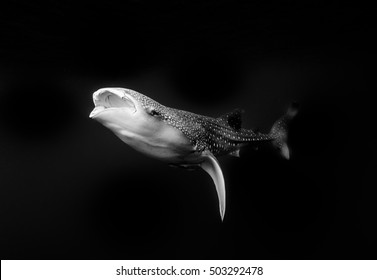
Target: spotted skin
204,133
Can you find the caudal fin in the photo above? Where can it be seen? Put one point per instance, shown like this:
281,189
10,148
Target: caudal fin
279,130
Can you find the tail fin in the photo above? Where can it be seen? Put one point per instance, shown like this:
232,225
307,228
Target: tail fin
279,130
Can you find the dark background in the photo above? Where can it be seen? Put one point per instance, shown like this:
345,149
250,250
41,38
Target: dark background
69,189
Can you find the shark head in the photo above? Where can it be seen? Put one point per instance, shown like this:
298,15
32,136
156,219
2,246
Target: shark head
119,110
139,121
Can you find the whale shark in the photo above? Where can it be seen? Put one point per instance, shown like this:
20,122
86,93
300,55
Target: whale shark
181,138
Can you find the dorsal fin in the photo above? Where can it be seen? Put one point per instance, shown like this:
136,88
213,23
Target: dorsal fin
233,118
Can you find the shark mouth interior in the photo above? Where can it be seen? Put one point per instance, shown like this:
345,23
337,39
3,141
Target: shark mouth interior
107,99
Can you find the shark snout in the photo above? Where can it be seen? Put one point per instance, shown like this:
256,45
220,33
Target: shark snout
96,111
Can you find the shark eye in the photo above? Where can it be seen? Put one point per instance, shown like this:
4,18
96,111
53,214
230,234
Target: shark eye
153,112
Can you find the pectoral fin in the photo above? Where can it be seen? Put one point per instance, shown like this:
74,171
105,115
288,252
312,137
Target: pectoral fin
212,167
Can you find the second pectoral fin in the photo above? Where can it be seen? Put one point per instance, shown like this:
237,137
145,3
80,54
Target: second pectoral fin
212,167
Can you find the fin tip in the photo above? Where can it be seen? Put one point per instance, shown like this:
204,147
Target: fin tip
293,109
285,151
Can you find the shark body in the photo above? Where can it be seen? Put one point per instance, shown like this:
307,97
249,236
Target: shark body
178,137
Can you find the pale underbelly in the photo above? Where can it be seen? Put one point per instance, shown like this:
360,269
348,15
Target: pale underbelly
172,147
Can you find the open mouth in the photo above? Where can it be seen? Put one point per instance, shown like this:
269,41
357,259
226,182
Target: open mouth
109,98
